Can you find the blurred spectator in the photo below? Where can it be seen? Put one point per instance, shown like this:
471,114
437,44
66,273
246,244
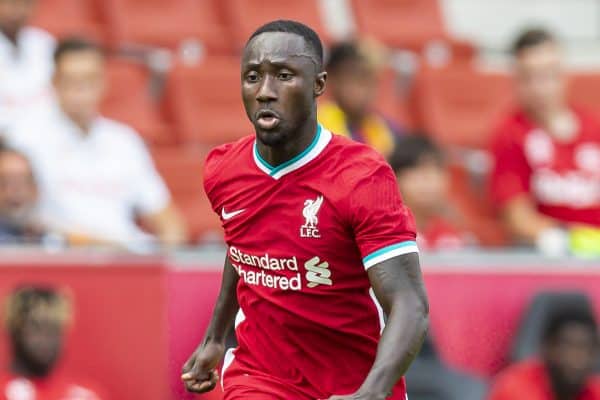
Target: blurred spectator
564,369
36,321
96,176
449,383
25,62
546,177
423,181
18,200
352,82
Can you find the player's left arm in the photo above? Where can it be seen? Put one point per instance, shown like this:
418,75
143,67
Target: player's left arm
399,288
385,233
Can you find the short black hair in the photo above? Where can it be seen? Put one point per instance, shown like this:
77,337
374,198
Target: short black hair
531,37
569,315
27,299
343,52
74,45
410,150
288,26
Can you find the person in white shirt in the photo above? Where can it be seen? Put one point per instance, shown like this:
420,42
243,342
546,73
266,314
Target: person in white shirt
95,174
25,63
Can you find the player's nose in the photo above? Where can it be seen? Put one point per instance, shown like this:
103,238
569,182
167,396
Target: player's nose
266,90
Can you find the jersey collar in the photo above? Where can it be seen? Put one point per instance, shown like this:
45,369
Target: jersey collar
316,147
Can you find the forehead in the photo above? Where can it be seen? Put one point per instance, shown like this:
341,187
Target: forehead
81,59
540,54
282,47
575,330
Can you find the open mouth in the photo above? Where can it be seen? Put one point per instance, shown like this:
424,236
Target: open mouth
267,119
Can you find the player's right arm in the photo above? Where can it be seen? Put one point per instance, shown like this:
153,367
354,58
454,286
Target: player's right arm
199,373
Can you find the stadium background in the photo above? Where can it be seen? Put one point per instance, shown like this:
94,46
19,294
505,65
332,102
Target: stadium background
174,76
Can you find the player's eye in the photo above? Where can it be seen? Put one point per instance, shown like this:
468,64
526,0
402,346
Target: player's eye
252,77
285,75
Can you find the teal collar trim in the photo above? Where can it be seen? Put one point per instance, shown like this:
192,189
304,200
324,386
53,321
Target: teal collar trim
297,161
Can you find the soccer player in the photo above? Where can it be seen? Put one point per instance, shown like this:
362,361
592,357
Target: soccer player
320,246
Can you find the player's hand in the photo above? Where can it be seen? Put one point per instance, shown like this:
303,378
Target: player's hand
199,373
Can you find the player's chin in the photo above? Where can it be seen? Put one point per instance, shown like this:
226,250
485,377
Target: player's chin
270,137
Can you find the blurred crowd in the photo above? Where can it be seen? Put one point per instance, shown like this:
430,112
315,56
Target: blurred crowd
70,176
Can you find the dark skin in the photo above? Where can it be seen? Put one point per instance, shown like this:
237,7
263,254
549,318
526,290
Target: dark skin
398,286
281,79
36,346
570,356
199,373
280,76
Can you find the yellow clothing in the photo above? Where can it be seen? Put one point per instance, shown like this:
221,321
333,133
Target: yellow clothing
374,130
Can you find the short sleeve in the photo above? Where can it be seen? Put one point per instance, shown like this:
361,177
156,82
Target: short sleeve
383,226
510,171
150,194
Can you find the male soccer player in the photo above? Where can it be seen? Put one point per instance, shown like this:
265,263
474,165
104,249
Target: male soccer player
320,246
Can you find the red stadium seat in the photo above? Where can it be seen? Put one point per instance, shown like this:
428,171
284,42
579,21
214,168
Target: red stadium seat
128,100
459,105
65,18
407,24
473,204
166,23
390,100
182,167
584,90
204,102
244,16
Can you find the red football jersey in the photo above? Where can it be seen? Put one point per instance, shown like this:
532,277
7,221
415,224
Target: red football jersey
301,236
54,387
529,380
563,178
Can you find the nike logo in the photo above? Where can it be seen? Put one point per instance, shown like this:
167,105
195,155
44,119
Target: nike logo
230,215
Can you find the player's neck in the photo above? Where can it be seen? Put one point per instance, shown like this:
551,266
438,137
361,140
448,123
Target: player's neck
82,123
277,155
21,368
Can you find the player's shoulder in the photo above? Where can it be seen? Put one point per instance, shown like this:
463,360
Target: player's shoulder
38,36
32,130
355,160
512,127
359,155
589,123
226,156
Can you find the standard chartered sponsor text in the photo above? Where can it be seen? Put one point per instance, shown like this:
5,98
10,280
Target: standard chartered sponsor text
264,276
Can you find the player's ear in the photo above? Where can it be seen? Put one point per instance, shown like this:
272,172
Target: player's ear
320,81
